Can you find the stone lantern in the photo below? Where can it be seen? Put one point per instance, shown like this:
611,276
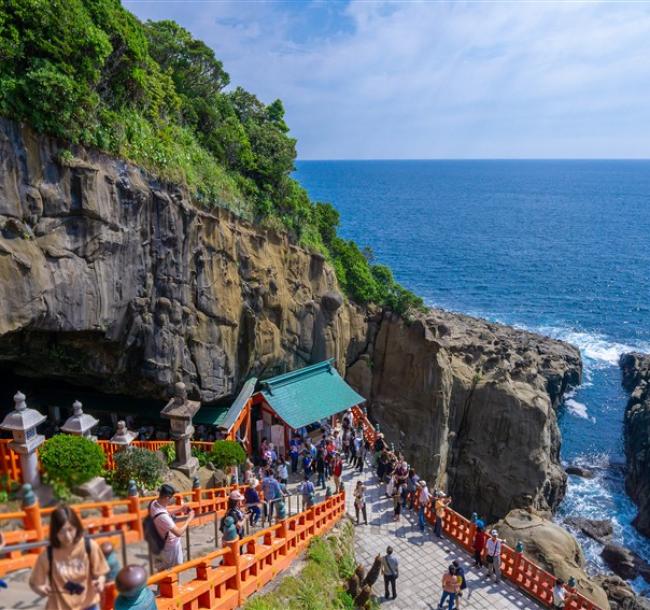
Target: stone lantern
122,435
80,423
180,411
22,422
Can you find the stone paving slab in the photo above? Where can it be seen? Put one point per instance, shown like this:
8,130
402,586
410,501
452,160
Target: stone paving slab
422,558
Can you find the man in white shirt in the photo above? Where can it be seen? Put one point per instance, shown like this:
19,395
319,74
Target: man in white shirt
493,555
560,595
172,553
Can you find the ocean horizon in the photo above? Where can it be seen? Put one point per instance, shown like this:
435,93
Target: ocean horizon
557,247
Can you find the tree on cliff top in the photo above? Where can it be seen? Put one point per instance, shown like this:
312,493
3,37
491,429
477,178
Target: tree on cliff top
90,72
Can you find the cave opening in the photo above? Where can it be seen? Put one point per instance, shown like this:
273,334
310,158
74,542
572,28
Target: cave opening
53,397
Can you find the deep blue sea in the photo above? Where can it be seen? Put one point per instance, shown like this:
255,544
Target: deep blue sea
558,247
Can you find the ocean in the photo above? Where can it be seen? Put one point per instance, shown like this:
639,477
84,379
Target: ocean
558,247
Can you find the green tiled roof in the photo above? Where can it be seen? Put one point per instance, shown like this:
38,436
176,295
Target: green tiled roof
214,416
309,394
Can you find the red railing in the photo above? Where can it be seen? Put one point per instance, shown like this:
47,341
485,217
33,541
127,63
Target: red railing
10,469
225,578
516,567
31,524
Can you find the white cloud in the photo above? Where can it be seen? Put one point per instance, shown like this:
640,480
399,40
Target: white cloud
418,79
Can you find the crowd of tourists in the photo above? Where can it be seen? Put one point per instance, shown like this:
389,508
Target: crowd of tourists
71,573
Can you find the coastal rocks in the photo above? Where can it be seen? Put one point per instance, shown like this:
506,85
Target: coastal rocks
621,596
579,471
624,562
597,529
636,431
471,405
111,279
552,548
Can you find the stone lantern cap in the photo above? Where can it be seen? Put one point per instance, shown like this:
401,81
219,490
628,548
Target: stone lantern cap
21,418
79,423
123,436
179,407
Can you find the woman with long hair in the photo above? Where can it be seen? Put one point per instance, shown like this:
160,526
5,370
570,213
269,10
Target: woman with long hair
72,571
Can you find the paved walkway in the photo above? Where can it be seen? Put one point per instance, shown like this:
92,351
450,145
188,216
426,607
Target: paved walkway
422,558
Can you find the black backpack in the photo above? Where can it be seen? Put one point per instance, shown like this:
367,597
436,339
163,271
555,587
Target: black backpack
155,541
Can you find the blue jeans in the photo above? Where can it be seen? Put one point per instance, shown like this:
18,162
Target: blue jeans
321,479
421,518
450,596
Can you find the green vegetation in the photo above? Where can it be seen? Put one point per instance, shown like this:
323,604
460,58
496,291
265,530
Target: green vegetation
140,465
70,461
88,72
320,584
226,453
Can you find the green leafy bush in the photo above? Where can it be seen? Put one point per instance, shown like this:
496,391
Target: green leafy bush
169,452
140,465
70,461
227,453
204,457
88,71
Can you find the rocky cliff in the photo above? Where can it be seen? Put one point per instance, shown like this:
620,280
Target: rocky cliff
472,405
636,430
112,279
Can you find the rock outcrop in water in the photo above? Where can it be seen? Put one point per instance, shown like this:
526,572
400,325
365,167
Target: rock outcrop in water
636,431
462,398
111,279
552,548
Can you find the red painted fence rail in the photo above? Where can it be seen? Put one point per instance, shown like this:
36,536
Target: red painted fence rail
225,578
516,567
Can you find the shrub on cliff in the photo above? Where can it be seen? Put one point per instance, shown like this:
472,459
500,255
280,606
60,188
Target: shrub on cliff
141,465
70,461
90,72
227,453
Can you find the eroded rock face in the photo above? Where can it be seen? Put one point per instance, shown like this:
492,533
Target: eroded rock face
551,547
636,430
111,279
471,404
620,594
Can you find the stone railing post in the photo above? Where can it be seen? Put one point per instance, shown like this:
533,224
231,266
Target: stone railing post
133,593
32,519
134,509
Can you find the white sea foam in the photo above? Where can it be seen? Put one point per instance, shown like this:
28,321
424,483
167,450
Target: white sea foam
578,409
597,350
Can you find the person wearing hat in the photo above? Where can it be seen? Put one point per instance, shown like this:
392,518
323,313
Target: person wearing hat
442,502
168,530
424,498
235,513
253,503
480,538
493,555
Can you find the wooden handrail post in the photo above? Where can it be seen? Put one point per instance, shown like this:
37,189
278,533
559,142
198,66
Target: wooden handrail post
234,559
134,509
32,509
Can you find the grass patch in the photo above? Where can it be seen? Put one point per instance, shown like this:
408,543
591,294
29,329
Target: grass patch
330,560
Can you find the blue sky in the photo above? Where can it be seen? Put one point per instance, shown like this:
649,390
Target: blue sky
405,80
